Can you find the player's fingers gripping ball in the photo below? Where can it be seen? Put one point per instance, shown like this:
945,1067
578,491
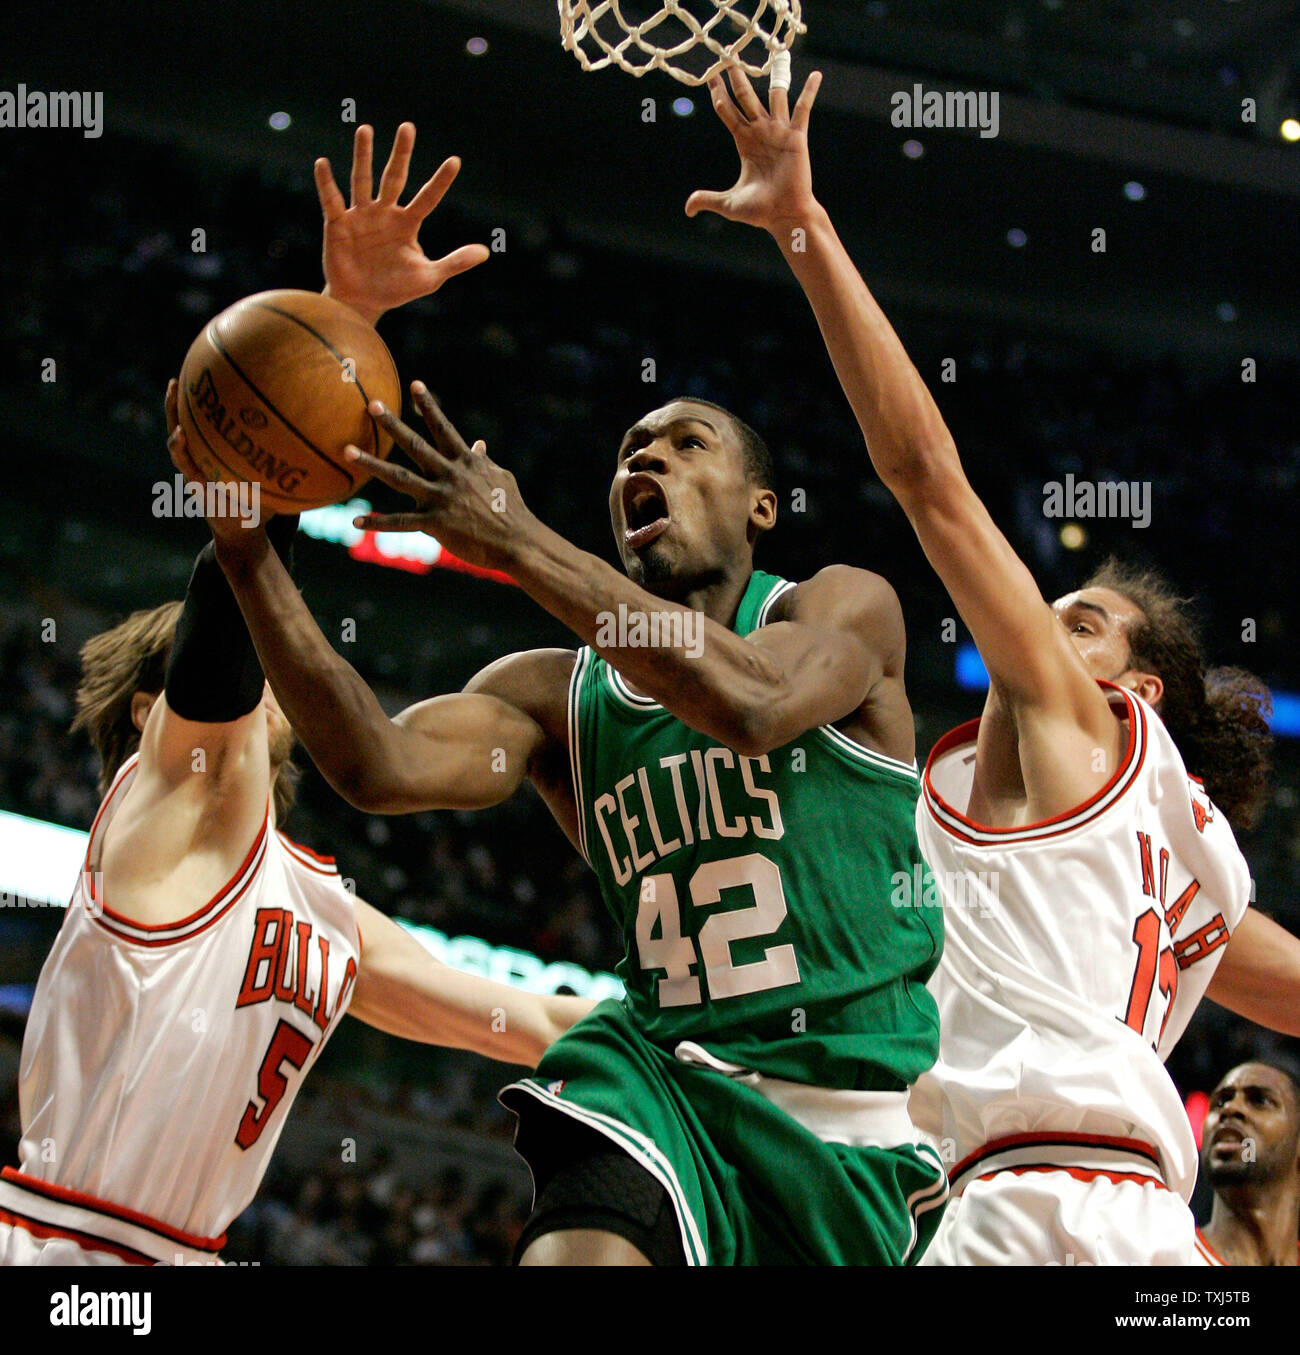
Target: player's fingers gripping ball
273,390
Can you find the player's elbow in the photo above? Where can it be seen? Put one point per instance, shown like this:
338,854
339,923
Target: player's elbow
757,728
759,690
364,783
756,742
923,472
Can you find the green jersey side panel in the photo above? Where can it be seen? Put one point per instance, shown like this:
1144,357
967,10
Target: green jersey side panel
768,905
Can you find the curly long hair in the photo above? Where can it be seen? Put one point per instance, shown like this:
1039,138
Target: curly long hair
1218,717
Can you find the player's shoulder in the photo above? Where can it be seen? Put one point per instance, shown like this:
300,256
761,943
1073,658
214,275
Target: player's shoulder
843,595
526,667
535,681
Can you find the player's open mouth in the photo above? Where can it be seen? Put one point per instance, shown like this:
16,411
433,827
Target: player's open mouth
645,510
1227,1138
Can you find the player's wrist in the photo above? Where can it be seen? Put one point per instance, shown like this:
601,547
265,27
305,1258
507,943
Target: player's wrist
791,227
368,310
527,543
238,554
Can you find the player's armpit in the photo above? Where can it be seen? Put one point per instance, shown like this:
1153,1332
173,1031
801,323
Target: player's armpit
187,770
403,990
839,634
195,805
205,757
1259,974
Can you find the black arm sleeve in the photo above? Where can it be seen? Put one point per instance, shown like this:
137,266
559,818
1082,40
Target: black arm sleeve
213,672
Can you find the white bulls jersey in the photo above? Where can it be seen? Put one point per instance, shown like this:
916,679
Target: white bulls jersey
159,1062
1076,951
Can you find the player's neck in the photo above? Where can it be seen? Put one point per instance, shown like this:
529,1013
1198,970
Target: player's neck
717,598
716,594
1255,1227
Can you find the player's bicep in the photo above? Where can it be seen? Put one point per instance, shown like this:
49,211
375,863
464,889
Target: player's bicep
459,751
394,968
385,954
470,749
198,788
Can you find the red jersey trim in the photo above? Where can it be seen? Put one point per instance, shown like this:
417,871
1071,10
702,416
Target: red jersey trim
1130,1147
88,1241
146,934
951,820
127,929
64,1195
298,846
198,913
176,940
114,787
1079,1174
1207,1251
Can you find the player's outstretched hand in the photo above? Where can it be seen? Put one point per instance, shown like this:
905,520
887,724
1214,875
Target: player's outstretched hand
775,184
228,525
373,260
462,497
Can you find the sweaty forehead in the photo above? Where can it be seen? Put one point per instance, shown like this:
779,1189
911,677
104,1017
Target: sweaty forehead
1115,606
1261,1075
678,411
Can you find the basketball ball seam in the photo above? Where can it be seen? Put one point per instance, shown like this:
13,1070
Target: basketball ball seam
189,409
297,432
320,338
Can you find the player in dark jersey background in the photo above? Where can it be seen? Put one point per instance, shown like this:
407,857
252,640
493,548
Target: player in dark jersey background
744,787
1250,1154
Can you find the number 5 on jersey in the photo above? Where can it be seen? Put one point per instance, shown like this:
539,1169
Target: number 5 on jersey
675,954
288,1045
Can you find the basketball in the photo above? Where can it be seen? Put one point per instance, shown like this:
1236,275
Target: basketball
276,386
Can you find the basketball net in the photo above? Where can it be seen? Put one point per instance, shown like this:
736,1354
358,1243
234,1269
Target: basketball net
691,40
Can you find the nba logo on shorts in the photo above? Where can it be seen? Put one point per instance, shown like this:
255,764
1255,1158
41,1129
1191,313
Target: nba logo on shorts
555,1088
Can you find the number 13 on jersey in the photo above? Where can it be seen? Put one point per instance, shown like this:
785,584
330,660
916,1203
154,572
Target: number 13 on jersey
659,909
1157,967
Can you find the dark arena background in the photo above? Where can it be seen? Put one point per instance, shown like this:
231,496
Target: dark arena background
1164,353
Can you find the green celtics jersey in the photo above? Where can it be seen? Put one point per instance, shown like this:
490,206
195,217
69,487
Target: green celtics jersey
768,904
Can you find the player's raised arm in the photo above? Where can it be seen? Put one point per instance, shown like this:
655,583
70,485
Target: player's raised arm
403,990
203,747
755,693
1025,649
461,751
372,256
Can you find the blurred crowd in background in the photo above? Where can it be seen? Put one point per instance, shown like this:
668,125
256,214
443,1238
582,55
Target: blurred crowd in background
542,352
